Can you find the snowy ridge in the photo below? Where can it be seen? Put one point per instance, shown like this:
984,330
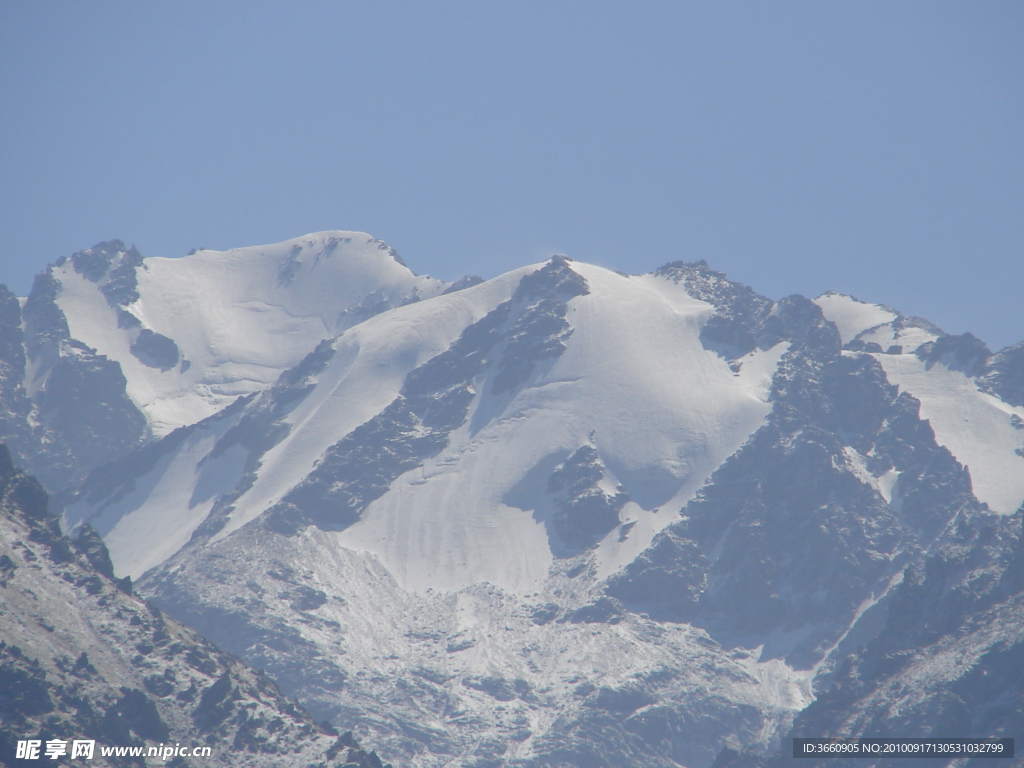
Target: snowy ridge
225,324
367,371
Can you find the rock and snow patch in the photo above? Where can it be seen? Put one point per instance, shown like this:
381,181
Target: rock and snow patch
852,316
978,429
883,483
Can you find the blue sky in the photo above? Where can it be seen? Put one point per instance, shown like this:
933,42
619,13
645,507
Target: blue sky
871,148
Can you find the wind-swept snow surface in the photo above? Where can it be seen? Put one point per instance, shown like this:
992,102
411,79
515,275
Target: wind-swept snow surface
193,333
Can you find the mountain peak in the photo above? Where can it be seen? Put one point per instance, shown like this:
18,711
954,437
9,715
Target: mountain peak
191,334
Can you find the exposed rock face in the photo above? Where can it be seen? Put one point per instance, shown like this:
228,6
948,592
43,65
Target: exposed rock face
739,310
792,507
947,660
585,512
965,353
83,658
1004,376
114,268
15,406
74,411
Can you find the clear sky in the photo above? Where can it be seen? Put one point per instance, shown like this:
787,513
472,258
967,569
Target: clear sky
872,148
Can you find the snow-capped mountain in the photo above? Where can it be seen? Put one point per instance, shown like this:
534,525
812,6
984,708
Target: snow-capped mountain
464,396
192,334
563,517
112,349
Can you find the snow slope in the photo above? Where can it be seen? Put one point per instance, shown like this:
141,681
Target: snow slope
978,429
852,316
473,513
367,371
238,317
635,340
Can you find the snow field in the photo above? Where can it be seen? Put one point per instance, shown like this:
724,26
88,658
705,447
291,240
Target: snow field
851,316
238,317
